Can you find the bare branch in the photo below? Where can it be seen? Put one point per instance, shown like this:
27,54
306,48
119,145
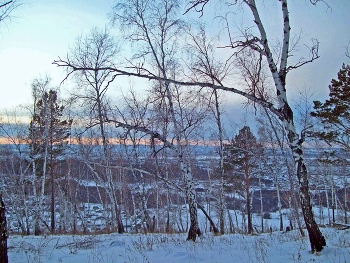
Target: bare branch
249,41
6,9
197,3
314,2
62,63
313,56
153,134
5,4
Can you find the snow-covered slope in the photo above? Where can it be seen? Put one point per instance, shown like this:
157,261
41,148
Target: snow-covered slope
276,247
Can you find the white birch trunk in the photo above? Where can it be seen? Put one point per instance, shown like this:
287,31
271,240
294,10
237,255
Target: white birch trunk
327,198
261,206
222,171
279,204
185,167
317,240
345,201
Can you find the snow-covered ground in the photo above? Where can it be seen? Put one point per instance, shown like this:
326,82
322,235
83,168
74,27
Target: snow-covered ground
153,248
107,248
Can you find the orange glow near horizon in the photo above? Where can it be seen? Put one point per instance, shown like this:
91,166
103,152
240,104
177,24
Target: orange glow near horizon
6,140
113,141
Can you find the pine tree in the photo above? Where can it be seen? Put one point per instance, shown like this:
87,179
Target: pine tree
334,113
240,156
48,132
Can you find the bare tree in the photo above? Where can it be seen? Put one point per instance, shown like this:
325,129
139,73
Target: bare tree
203,63
97,49
16,167
258,42
273,133
155,27
136,112
6,7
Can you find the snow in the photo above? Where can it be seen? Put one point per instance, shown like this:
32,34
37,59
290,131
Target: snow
274,247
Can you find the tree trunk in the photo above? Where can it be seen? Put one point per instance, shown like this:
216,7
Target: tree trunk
232,228
279,203
247,193
345,203
222,170
212,225
3,233
167,226
328,208
285,114
345,200
52,199
111,190
222,209
191,198
261,206
317,240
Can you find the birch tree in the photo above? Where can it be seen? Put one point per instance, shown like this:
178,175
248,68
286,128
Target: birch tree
284,111
155,27
135,111
272,132
254,39
97,49
279,69
16,168
204,63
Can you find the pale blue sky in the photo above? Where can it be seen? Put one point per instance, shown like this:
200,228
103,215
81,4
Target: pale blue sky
42,30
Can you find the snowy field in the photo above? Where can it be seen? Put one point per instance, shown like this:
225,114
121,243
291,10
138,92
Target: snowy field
108,248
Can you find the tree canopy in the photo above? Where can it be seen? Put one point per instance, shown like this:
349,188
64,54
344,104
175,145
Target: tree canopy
334,113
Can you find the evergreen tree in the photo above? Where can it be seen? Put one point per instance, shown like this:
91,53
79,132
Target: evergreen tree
48,132
334,113
241,157
334,116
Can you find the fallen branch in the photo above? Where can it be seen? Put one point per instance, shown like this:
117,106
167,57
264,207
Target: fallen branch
341,226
